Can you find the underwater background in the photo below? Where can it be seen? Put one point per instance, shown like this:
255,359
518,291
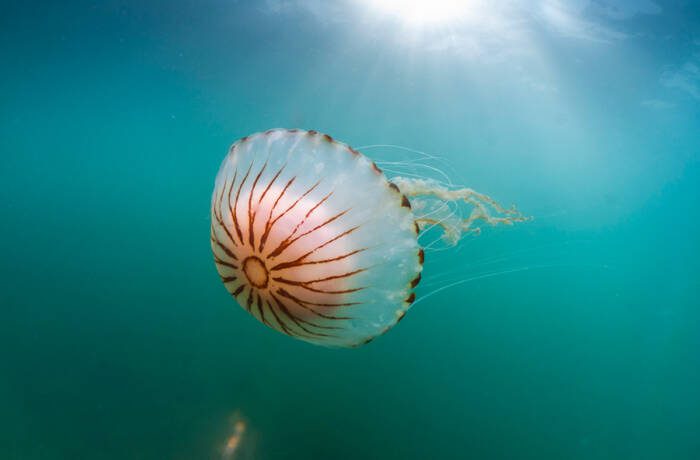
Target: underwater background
575,335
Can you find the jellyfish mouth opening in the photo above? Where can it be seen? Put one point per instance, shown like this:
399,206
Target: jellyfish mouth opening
256,272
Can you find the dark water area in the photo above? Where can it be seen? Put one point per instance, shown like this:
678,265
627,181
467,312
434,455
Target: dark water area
573,335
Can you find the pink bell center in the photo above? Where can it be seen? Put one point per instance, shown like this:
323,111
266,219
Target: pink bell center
256,272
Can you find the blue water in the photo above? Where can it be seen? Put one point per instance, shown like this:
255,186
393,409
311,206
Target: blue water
579,337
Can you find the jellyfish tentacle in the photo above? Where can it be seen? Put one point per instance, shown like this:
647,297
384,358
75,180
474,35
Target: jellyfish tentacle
484,208
426,222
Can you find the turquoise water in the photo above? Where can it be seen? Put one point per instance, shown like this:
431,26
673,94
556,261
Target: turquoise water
575,335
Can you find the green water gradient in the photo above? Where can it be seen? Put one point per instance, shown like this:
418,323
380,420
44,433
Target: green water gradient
118,340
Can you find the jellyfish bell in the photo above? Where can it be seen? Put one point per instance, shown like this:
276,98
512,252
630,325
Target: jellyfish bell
313,240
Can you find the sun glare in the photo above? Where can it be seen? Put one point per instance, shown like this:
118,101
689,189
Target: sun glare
423,12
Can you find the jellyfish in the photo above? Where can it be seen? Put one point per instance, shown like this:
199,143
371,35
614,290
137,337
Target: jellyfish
313,240
238,445
234,441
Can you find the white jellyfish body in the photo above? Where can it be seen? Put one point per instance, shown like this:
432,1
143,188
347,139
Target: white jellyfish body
314,241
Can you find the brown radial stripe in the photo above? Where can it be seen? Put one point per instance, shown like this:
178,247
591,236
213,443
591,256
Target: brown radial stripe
286,243
238,290
249,300
304,285
228,279
410,298
261,312
404,202
224,263
222,225
303,305
230,190
219,218
251,214
235,204
301,321
226,250
267,230
334,277
316,304
300,259
268,226
301,222
283,308
421,256
218,215
274,313
272,181
335,238
376,168
322,291
299,262
298,321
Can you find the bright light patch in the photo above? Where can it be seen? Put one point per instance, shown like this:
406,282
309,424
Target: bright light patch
423,12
